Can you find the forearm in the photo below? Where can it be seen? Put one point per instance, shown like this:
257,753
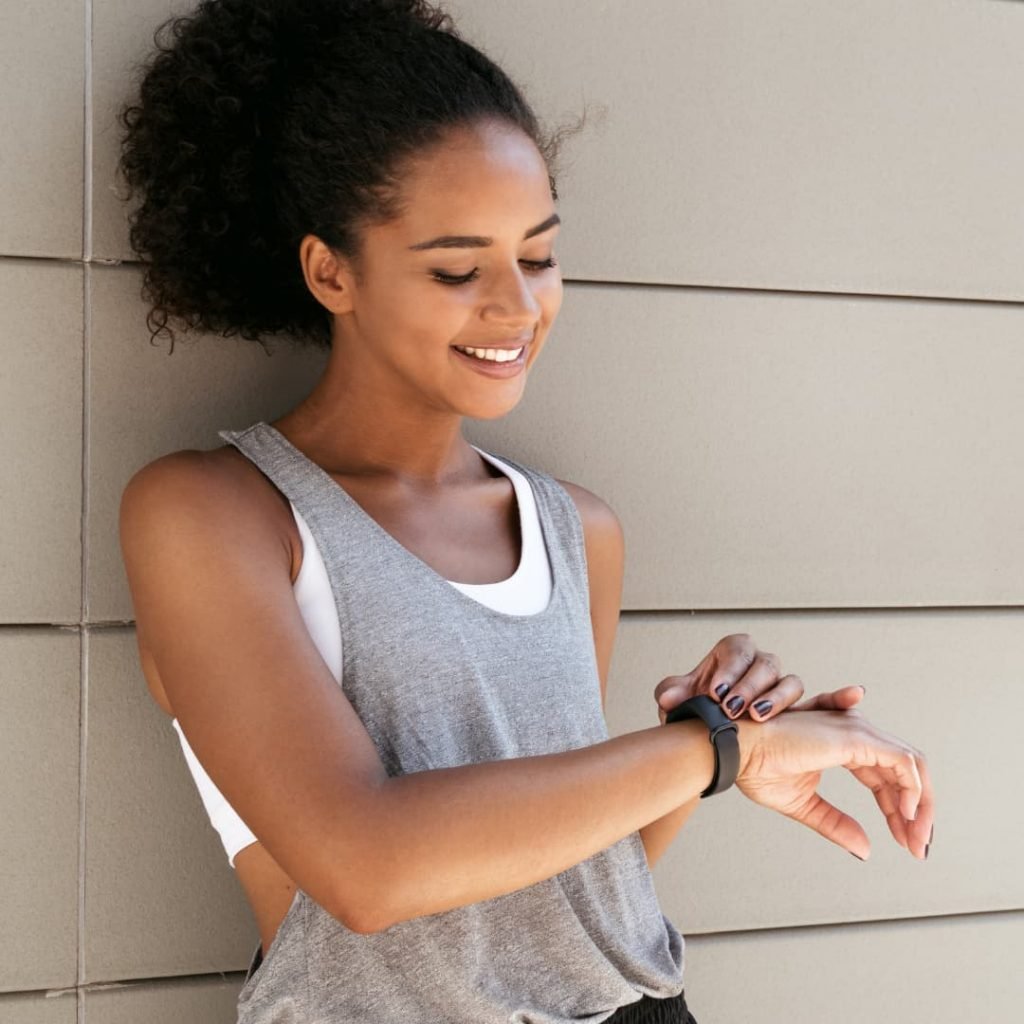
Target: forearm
658,835
452,836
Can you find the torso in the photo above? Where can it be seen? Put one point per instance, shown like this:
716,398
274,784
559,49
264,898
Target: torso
475,541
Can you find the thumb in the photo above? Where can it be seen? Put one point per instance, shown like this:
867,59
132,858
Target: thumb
835,825
842,699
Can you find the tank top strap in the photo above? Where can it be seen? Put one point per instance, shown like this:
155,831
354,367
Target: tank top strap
562,526
285,467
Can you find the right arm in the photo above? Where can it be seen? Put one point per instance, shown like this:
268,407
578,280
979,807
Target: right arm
212,593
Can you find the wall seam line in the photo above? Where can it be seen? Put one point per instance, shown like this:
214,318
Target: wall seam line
83,728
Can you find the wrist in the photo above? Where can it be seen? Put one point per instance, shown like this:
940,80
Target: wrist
723,734
747,736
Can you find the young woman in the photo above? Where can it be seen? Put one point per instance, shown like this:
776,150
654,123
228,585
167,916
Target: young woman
385,650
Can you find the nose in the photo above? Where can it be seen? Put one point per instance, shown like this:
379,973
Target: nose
515,302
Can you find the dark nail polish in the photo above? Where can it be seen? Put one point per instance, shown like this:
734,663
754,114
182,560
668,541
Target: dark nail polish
931,835
762,707
927,847
721,690
857,855
735,703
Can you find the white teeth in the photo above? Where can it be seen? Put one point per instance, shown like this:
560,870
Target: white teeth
496,355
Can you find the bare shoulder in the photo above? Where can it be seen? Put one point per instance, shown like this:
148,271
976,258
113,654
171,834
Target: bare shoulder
208,491
219,485
221,469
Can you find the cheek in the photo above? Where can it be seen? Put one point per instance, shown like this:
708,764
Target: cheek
429,322
427,299
424,313
551,300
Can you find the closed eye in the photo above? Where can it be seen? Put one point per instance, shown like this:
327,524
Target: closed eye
534,266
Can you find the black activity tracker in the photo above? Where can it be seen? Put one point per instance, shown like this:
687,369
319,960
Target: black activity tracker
723,738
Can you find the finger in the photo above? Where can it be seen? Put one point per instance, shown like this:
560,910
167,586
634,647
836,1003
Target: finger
898,764
921,828
887,797
905,767
777,699
672,690
837,700
848,696
835,825
731,656
746,685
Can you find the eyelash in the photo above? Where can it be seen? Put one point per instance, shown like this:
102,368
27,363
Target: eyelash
537,266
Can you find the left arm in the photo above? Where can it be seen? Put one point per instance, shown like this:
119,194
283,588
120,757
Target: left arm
605,546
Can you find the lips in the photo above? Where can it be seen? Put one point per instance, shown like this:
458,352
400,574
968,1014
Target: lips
492,368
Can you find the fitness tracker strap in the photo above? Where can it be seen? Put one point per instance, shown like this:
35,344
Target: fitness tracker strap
723,738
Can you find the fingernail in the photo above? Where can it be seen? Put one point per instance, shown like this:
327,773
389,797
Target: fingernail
863,687
721,690
762,707
928,845
735,704
857,855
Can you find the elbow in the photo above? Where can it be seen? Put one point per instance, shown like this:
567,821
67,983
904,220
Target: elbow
369,891
361,924
357,912
361,914
364,902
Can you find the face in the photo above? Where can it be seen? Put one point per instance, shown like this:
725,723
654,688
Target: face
464,266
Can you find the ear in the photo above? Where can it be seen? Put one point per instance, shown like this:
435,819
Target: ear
328,275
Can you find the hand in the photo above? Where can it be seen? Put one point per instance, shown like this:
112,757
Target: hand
735,668
782,761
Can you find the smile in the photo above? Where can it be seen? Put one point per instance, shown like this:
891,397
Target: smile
496,363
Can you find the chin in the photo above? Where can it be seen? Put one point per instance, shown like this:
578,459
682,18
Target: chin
490,410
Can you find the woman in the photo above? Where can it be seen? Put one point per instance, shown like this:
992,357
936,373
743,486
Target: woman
385,650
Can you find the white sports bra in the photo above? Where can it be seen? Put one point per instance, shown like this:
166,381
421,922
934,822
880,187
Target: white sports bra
525,592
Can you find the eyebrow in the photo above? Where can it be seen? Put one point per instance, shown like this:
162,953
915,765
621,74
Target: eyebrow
480,241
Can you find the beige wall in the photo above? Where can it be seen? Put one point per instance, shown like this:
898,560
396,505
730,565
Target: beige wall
791,355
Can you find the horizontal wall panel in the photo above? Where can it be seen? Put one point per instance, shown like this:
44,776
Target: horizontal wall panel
211,1000
41,429
40,1008
160,896
787,450
910,972
147,400
864,146
800,145
42,113
39,773
933,679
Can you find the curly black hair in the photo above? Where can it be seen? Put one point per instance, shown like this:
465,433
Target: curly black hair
261,121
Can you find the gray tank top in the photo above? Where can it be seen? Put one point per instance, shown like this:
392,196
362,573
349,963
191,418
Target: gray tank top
439,680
